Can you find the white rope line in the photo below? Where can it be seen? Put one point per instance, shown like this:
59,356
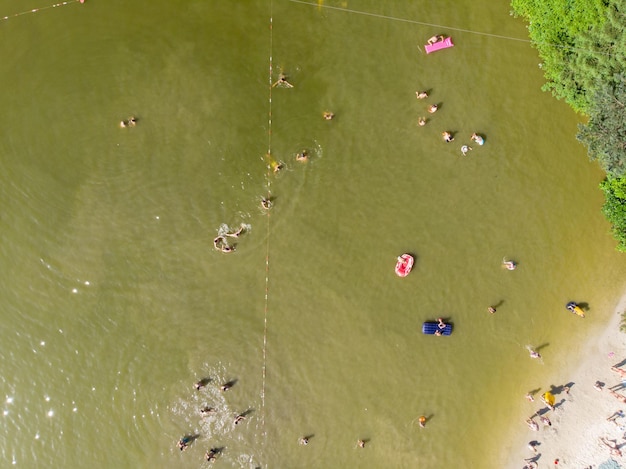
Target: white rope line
450,28
40,9
404,20
267,249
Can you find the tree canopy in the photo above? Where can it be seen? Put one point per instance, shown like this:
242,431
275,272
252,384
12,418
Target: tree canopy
556,29
614,208
582,46
605,133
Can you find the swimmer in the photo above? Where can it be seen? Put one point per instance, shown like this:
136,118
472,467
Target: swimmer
433,108
200,384
422,421
276,166
447,136
227,248
478,139
303,156
491,309
240,418
266,203
211,454
304,440
509,265
132,122
226,386
123,124
207,410
435,39
441,325
282,81
421,121
218,243
465,149
328,115
360,443
183,443
235,234
532,425
421,94
530,397
533,353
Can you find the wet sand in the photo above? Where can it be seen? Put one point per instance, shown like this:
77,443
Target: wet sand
579,420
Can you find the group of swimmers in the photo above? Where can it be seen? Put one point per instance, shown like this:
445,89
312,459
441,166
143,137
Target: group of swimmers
221,243
446,135
186,440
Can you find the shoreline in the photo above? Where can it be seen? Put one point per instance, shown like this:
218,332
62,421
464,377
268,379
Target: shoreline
579,419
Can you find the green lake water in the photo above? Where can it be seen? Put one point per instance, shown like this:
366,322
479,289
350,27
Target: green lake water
114,301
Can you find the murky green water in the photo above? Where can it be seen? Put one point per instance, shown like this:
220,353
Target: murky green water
114,301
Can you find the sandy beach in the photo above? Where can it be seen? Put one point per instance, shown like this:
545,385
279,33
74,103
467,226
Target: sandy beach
589,418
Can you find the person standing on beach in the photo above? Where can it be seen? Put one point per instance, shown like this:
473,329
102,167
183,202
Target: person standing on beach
422,421
532,424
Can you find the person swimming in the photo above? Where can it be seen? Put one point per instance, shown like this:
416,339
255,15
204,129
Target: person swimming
510,265
235,234
303,156
421,121
328,115
422,421
478,139
218,242
282,81
532,425
183,443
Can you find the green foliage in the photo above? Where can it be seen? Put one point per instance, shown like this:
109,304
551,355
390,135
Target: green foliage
614,208
556,29
605,133
582,46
